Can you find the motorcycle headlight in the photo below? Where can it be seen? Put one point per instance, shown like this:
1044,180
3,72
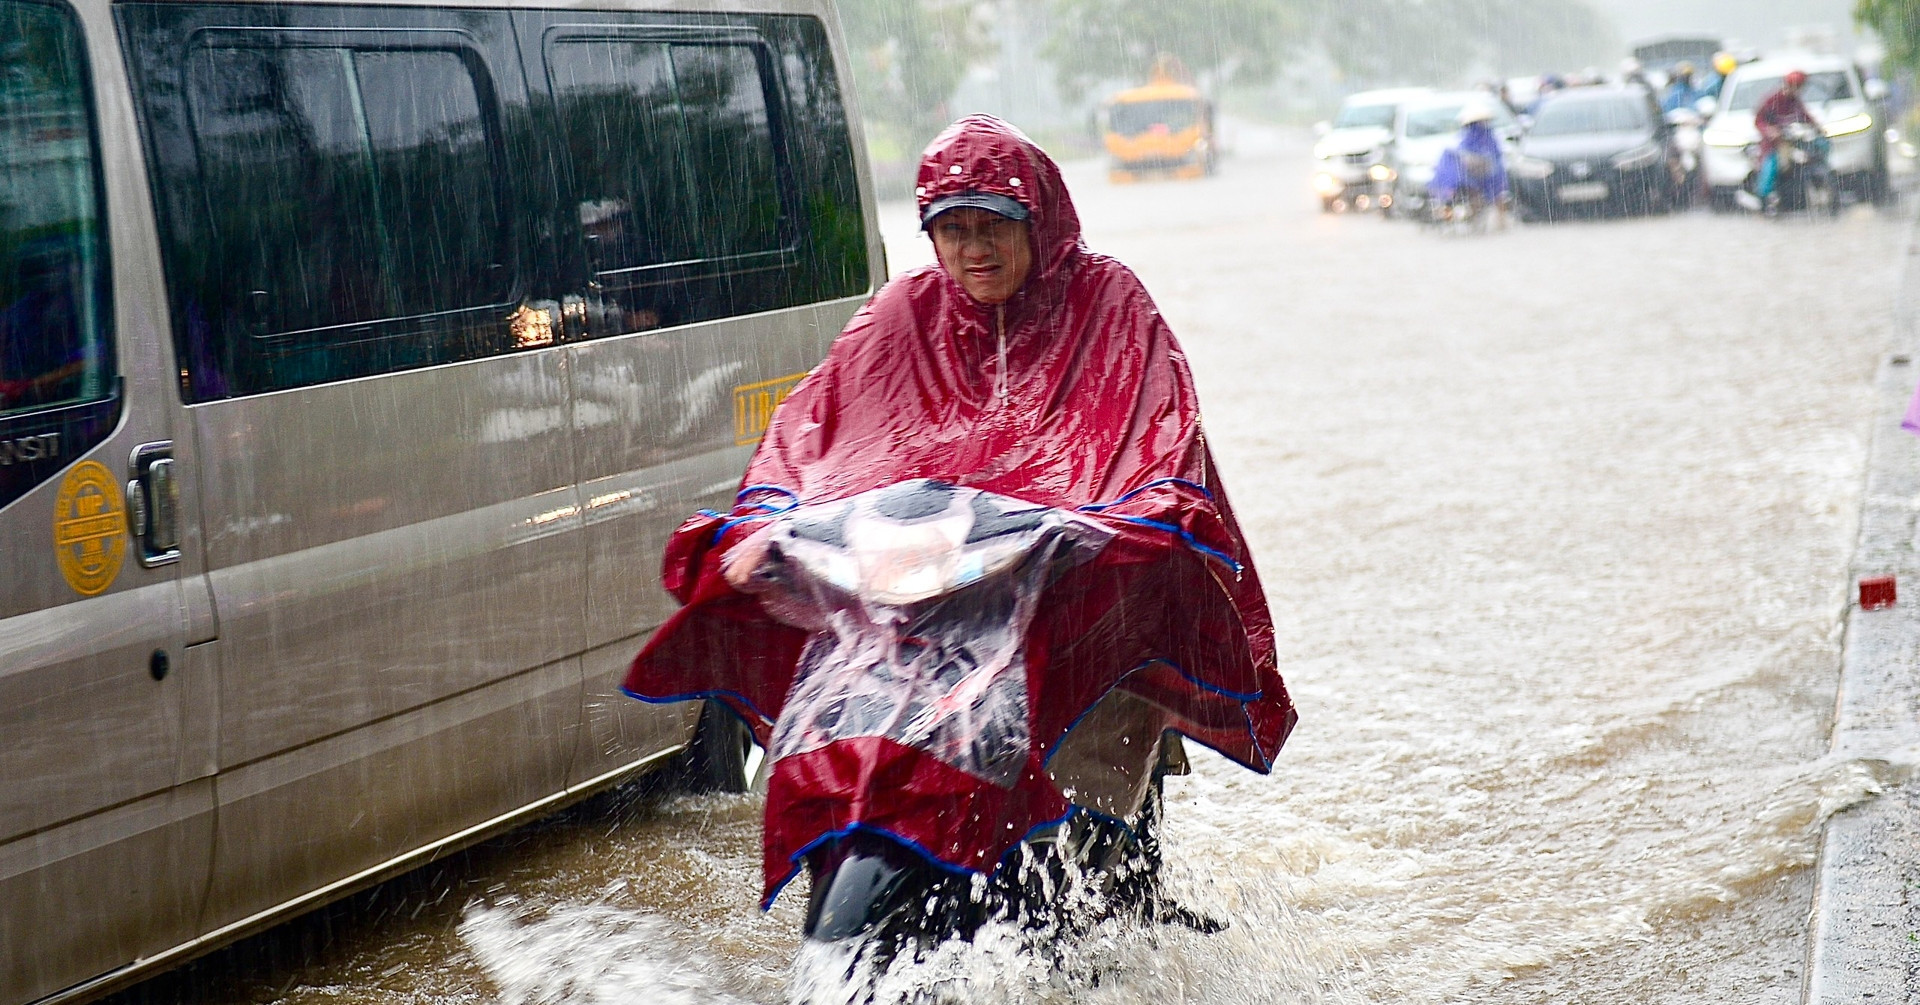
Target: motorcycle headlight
1328,185
1851,124
1380,172
1532,168
1644,155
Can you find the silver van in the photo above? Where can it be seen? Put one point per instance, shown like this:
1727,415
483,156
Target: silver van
355,363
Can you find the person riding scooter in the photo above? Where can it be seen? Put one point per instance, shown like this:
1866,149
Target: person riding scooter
1683,91
1473,167
1781,109
1022,377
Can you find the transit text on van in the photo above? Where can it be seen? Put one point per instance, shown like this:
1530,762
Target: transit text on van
29,448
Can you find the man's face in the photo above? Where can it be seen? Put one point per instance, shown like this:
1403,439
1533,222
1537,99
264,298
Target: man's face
986,253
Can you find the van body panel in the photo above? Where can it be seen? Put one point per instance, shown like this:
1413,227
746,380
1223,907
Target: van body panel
86,725
352,583
617,731
302,819
104,890
661,415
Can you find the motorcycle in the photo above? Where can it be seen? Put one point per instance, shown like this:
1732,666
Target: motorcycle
918,597
1461,205
1686,125
1804,180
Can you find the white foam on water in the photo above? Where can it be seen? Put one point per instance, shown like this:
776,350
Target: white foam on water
591,954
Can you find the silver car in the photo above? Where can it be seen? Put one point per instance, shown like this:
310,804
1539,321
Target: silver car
1351,151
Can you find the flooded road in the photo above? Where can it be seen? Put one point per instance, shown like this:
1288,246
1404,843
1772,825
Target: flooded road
1555,524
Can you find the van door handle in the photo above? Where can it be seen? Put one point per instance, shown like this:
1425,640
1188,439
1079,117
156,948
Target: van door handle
153,504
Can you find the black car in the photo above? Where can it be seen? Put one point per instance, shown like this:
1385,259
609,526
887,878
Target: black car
1598,148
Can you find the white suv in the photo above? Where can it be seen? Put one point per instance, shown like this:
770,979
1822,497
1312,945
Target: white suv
1846,109
1348,157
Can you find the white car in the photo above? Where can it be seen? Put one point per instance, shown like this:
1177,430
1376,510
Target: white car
1351,147
1847,110
1424,130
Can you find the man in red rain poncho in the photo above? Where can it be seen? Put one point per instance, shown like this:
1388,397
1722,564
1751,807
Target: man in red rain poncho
1025,365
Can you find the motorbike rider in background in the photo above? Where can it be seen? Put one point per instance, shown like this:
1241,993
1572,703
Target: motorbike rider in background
1781,109
1475,164
1682,91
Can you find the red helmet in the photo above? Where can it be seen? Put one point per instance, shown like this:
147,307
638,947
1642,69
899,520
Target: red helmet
1796,78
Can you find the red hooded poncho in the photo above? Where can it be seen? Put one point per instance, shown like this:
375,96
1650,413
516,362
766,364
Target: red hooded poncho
1098,414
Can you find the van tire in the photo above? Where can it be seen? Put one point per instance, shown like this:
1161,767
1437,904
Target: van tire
716,760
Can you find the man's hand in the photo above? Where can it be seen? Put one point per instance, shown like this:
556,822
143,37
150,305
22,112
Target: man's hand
742,563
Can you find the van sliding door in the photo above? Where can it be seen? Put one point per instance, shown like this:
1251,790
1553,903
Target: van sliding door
714,241
382,415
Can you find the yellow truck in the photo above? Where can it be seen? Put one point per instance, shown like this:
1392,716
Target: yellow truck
1165,128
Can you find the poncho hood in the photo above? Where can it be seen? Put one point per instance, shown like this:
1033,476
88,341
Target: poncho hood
1090,408
983,154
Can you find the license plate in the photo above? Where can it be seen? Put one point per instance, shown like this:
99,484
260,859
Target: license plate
1586,191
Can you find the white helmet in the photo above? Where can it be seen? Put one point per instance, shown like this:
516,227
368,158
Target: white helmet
1475,111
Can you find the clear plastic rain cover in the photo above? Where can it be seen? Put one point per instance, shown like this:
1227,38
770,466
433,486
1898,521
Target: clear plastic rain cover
919,596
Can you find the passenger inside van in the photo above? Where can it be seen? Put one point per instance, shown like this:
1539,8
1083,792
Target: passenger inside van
614,236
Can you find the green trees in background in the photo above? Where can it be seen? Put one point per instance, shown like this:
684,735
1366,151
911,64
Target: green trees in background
1426,41
1897,22
909,55
1431,41
1090,41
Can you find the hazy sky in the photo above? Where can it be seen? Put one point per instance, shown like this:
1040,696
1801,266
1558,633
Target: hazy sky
1754,22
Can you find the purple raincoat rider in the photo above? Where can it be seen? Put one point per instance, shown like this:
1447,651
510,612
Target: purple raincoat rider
1475,163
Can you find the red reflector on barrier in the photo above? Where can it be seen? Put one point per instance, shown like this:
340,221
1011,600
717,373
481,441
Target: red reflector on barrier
1876,592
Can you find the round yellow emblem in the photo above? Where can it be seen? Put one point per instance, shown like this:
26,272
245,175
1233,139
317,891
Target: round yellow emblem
89,528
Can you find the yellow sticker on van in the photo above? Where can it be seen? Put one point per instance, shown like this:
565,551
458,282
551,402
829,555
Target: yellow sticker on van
89,528
753,406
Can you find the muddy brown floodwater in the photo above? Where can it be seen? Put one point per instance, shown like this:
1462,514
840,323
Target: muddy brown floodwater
1555,523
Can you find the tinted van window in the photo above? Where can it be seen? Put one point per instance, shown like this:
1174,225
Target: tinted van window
54,349
675,171
342,186
58,385
672,150
346,191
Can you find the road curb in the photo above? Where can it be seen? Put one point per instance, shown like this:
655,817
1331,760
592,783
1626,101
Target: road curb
1864,942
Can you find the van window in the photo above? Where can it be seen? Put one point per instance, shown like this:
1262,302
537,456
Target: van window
54,349
833,237
345,186
59,390
671,148
342,202
674,175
